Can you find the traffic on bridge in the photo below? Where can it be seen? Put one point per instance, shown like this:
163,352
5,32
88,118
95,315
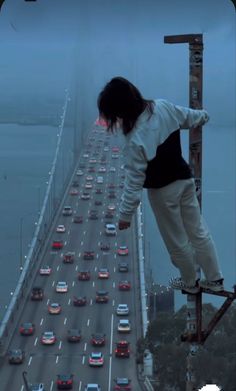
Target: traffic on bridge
81,320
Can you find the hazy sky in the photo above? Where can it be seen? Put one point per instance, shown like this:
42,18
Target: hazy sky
46,44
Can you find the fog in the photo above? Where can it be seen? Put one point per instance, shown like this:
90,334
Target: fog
47,46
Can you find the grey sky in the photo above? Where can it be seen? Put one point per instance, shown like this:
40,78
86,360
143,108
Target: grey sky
39,43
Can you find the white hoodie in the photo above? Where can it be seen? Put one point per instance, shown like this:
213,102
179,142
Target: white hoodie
142,142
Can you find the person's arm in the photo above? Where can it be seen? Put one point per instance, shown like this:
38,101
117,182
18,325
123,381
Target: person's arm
135,170
190,118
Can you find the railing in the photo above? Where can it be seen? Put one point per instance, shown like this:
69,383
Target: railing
39,240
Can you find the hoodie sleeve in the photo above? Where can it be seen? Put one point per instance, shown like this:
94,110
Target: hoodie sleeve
190,118
135,173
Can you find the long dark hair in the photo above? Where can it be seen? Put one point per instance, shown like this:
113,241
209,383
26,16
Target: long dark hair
121,99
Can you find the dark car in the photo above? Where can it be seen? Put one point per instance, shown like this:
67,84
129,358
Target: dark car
111,195
16,356
122,349
93,215
88,255
97,202
64,382
122,384
27,328
123,267
75,184
78,219
84,275
79,301
69,257
105,247
98,191
98,339
102,296
109,215
36,293
73,335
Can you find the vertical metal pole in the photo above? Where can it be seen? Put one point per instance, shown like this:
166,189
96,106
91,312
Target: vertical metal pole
21,245
194,302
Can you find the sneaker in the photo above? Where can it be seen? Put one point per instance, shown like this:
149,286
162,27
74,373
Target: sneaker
177,283
215,286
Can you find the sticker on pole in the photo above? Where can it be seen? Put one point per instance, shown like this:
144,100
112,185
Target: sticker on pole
210,387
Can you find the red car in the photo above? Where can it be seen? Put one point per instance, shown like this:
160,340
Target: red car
57,244
124,285
103,273
27,328
123,250
122,349
69,257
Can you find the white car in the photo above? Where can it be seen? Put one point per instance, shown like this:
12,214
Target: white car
88,185
45,271
37,387
102,169
86,155
89,178
96,359
111,207
85,196
124,326
61,228
79,173
92,387
62,287
122,309
112,169
110,229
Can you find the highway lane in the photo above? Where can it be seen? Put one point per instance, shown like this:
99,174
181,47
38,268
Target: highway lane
43,363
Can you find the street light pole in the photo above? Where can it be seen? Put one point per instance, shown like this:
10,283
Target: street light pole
21,244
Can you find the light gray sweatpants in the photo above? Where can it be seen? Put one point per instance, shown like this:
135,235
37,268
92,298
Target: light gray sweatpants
184,231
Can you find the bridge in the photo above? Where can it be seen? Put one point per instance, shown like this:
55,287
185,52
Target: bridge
84,232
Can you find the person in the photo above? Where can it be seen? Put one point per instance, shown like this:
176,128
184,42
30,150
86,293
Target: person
153,160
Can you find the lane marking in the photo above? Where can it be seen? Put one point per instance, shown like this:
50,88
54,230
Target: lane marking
113,303
51,386
57,359
60,344
113,284
48,301
91,301
85,346
65,320
83,360
58,267
69,301
110,359
41,322
36,340
80,385
93,283
88,321
82,243
73,283
30,359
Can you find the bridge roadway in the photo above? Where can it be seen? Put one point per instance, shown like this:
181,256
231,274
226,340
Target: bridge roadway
43,363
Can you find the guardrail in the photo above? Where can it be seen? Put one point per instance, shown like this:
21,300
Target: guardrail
46,218
147,360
